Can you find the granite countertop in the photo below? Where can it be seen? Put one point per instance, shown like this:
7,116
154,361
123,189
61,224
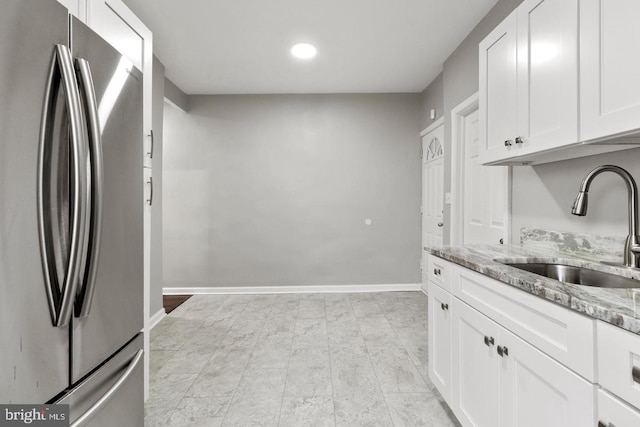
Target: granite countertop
620,307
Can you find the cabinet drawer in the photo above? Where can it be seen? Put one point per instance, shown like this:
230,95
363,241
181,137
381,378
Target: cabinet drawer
612,412
566,336
619,362
439,272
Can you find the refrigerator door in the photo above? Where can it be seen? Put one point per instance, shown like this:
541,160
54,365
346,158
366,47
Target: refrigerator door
112,395
34,359
115,314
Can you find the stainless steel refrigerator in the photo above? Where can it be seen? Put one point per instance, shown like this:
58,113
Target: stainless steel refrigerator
71,212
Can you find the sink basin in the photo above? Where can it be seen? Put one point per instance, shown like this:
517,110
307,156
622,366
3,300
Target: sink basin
578,275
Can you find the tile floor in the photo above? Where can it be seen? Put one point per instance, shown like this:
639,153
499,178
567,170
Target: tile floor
294,360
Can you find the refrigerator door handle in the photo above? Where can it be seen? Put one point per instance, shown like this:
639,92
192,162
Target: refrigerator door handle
92,253
95,408
61,298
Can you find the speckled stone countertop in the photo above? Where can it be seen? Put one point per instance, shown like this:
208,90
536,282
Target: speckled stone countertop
620,307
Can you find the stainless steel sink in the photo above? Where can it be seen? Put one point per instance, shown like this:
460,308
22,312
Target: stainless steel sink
578,275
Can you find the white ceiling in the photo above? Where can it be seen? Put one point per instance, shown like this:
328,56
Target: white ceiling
364,46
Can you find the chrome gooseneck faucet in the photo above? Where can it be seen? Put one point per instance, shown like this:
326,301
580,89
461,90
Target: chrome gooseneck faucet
631,246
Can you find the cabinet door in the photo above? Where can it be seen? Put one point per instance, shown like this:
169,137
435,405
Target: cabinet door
609,63
498,92
475,384
613,412
440,340
547,74
535,390
76,7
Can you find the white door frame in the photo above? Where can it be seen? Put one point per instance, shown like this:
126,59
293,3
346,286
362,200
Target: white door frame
423,255
458,114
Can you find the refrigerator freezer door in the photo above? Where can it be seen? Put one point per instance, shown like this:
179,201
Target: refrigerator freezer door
117,307
34,357
113,394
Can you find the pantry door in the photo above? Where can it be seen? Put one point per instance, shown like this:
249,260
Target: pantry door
432,190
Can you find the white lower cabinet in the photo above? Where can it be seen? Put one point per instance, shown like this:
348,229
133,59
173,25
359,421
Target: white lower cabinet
500,380
440,339
535,390
476,368
613,412
491,364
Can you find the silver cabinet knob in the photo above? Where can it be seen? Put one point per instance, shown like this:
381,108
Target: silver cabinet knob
440,224
508,143
488,341
503,351
519,140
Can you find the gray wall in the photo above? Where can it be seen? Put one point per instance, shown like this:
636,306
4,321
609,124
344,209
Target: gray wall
460,81
175,95
275,190
432,98
542,195
155,295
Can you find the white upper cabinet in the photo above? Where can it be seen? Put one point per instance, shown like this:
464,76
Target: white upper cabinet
529,81
558,75
547,73
72,5
498,89
609,64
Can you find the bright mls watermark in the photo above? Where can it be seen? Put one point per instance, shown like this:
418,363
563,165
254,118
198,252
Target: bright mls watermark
34,415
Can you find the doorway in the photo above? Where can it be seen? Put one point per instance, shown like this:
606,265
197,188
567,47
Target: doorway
481,204
432,189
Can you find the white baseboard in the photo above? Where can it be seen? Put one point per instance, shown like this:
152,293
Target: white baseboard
292,289
156,318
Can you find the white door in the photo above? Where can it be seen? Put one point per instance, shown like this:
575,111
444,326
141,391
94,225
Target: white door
432,191
484,190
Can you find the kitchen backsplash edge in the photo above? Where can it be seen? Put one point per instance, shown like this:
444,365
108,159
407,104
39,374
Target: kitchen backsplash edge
608,248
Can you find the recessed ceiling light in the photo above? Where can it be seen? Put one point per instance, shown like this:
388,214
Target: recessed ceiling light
304,50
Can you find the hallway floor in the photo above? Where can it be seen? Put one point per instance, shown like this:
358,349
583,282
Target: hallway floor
294,360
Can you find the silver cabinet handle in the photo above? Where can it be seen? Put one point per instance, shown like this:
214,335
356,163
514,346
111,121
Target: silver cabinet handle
488,341
503,351
85,82
61,299
150,153
508,143
444,306
437,272
602,424
90,413
150,199
635,374
519,140
440,224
